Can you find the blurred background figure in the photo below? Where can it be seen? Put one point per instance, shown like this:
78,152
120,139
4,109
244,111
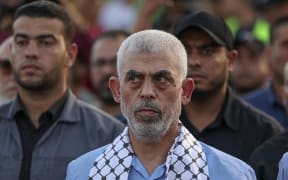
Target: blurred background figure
237,14
102,66
76,79
85,14
162,14
271,10
118,14
285,87
171,13
255,15
250,70
266,157
268,11
7,10
270,99
8,87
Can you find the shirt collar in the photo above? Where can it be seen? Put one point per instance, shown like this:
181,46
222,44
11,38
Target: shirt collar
140,169
71,112
55,110
224,116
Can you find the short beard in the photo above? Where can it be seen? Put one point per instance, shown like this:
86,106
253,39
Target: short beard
104,93
46,83
150,130
200,95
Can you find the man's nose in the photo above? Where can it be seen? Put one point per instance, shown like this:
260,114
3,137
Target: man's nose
147,90
194,60
32,50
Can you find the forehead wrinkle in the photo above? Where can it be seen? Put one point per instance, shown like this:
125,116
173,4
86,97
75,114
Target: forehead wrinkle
151,63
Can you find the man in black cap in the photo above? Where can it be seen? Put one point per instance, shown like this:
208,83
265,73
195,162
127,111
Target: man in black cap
250,71
215,115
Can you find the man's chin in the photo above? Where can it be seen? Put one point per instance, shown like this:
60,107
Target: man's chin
199,95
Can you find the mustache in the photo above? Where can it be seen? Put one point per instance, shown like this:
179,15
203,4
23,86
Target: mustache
147,104
197,73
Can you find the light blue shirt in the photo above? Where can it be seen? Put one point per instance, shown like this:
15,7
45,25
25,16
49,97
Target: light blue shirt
266,100
283,168
221,166
139,172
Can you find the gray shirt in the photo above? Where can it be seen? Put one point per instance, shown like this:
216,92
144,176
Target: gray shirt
79,129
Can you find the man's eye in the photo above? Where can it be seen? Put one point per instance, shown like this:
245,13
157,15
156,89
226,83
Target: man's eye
161,79
133,79
207,51
98,63
21,42
45,43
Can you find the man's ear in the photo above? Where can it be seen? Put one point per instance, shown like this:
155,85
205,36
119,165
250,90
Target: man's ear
187,89
72,54
114,86
232,58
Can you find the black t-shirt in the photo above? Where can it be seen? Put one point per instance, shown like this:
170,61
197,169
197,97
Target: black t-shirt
238,129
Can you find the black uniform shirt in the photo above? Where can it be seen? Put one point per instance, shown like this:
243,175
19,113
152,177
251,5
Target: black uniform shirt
238,129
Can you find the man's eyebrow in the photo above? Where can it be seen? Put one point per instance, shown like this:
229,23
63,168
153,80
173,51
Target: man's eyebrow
44,36
132,73
41,36
20,35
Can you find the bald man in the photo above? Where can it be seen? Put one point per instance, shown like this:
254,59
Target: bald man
8,87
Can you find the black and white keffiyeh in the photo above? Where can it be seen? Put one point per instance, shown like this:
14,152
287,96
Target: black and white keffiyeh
185,160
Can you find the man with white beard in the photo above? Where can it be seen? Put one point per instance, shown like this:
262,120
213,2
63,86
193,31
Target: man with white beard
151,86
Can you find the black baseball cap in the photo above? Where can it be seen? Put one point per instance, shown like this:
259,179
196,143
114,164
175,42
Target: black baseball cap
215,26
247,38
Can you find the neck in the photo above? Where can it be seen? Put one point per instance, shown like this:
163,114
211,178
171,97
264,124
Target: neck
37,102
153,154
202,113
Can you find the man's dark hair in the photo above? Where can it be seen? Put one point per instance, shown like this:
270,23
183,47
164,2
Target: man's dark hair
112,34
48,9
275,25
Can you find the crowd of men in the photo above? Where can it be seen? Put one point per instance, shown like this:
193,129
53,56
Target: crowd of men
194,99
